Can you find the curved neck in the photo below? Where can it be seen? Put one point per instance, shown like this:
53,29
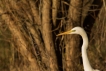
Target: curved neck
86,63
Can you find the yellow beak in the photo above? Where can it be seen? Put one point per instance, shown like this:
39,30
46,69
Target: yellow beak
67,32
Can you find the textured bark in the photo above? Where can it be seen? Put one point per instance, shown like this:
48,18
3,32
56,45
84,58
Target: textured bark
35,12
47,36
72,41
19,40
40,44
54,10
85,8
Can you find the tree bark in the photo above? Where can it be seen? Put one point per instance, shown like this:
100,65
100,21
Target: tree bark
19,39
55,6
72,41
47,36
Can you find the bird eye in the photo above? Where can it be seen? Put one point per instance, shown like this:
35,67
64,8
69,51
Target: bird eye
73,30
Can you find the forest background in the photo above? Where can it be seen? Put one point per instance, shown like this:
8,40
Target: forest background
28,30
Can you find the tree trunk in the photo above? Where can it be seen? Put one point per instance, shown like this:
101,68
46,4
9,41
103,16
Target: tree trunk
72,41
20,42
47,36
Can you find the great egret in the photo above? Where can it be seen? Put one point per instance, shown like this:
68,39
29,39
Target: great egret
82,33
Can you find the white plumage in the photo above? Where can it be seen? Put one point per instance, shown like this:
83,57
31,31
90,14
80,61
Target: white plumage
82,33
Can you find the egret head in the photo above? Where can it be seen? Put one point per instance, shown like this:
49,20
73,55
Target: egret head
82,33
76,30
